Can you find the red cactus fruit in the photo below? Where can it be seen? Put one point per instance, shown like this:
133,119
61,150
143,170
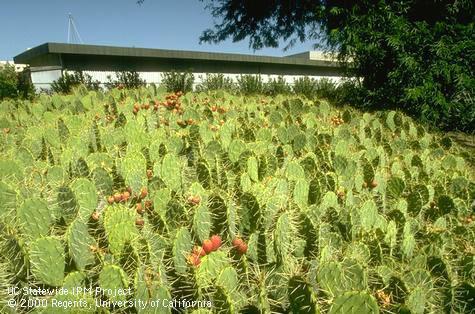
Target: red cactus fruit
117,197
216,240
143,193
242,249
95,216
237,242
208,246
125,196
139,208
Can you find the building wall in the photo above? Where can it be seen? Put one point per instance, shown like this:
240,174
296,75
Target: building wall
44,78
156,77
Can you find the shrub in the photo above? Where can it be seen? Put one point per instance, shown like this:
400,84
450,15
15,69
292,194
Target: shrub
67,81
25,85
277,86
178,81
13,84
215,82
305,86
8,81
250,84
348,92
125,79
326,88
415,56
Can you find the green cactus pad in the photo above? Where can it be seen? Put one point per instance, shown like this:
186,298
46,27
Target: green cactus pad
414,203
395,187
67,203
103,181
294,171
147,288
134,170
119,225
79,244
354,302
112,281
335,278
202,223
8,200
212,265
182,246
314,192
301,193
235,149
284,236
228,279
34,218
47,260
86,195
417,300
252,168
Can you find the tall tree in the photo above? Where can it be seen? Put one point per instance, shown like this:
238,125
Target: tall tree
416,55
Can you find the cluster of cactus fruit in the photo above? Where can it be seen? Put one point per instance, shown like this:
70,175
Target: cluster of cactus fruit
209,245
172,102
336,121
213,244
258,206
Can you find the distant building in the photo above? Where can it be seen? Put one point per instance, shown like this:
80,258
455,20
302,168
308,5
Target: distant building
18,67
48,62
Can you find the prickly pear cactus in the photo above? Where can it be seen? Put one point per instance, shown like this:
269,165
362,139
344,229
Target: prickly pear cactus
354,302
241,204
34,218
119,226
47,260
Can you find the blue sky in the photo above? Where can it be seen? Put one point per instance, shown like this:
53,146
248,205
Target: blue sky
175,24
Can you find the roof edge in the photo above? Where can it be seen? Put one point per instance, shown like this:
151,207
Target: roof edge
63,48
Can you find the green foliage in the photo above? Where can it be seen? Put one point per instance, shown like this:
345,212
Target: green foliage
178,81
305,86
277,86
47,261
216,81
68,81
323,88
354,302
125,79
414,55
34,217
250,84
413,69
297,214
25,87
8,81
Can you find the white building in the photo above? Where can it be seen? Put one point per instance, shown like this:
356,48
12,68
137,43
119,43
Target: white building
50,60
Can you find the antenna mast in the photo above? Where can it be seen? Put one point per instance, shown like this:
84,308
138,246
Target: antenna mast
73,33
